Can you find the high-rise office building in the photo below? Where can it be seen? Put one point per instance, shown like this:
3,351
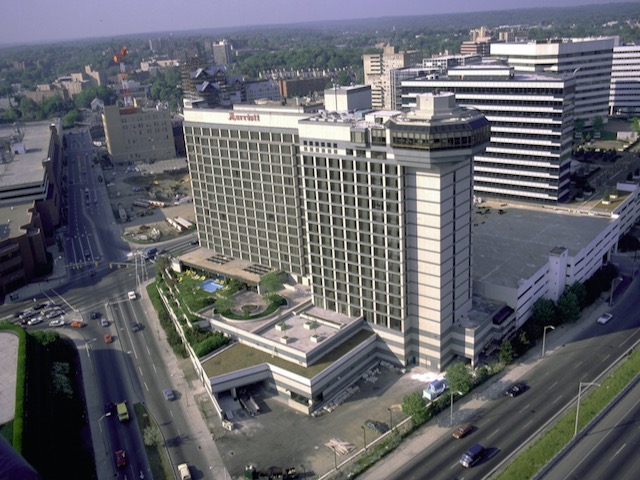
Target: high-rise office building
531,118
137,135
377,72
588,59
222,52
373,211
624,98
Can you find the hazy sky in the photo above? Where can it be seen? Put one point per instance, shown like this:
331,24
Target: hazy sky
28,21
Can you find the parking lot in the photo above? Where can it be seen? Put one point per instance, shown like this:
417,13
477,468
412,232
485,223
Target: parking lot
280,436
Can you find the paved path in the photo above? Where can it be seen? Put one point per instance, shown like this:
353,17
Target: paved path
8,364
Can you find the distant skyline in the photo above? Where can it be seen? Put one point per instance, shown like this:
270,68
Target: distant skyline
38,21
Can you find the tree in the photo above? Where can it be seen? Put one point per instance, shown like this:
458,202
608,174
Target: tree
224,305
544,313
628,243
506,353
635,125
151,436
597,125
568,307
578,126
415,406
271,282
459,378
580,291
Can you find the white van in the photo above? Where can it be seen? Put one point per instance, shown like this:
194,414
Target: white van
183,471
132,295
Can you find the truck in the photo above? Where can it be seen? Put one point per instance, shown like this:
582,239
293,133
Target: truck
123,411
183,471
435,389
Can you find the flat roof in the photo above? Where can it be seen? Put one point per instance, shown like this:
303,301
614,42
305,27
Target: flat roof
513,246
26,168
12,218
240,356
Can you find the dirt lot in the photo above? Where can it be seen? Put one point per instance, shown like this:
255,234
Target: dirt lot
165,181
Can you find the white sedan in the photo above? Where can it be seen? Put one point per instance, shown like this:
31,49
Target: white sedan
604,318
56,323
34,321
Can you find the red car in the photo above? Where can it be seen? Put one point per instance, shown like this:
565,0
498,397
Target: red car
121,460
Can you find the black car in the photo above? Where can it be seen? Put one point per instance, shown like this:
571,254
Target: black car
109,408
515,389
376,426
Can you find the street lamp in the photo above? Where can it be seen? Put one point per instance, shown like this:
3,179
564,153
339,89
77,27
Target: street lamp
544,336
619,279
390,418
364,436
451,415
588,384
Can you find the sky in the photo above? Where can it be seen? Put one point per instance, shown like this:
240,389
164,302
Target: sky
37,21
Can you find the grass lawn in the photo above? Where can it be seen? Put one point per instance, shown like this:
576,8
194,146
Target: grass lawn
157,454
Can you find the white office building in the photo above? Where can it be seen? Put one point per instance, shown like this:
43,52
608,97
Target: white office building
624,98
373,212
589,59
531,116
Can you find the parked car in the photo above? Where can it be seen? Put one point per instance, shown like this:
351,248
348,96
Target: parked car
95,315
104,322
40,306
121,459
56,323
376,426
462,430
168,394
34,321
516,389
604,318
109,408
108,338
136,326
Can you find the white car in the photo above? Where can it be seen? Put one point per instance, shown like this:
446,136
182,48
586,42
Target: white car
56,323
604,318
34,321
54,313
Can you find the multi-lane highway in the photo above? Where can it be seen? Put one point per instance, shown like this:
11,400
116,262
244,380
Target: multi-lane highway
505,423
610,448
131,367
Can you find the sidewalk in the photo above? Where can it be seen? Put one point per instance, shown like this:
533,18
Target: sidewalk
465,408
198,403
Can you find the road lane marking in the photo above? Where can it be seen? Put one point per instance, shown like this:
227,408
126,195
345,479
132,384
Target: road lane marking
140,370
618,451
577,364
154,367
496,431
527,424
145,386
556,400
554,384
